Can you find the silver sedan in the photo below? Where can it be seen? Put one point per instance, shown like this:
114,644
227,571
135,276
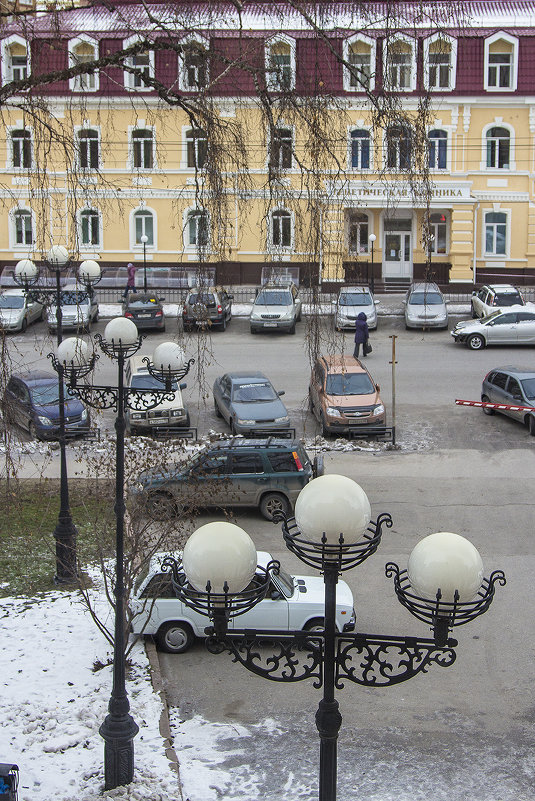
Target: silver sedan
513,326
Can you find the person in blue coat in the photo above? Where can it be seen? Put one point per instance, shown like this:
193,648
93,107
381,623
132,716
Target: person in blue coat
361,334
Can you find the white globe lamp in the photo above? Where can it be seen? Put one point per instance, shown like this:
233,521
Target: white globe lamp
447,562
219,553
121,332
330,506
73,352
168,357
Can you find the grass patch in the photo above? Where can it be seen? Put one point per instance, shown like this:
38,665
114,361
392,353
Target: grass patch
29,516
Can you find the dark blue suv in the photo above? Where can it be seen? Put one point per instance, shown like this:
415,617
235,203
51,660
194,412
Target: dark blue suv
31,401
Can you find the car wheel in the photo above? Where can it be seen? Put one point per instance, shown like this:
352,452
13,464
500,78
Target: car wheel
318,466
224,324
23,325
292,329
161,506
315,626
485,409
253,330
216,410
476,342
531,425
174,638
324,429
273,503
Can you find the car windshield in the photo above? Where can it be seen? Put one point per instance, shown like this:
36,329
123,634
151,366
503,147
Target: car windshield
142,300
508,299
284,582
149,382
426,299
47,394
274,298
491,316
11,302
355,299
73,298
528,385
252,393
349,384
204,298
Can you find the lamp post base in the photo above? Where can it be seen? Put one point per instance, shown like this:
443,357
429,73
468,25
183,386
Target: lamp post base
65,535
118,732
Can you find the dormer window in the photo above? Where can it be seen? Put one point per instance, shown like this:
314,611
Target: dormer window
400,64
359,72
193,66
280,64
140,68
15,59
440,63
83,51
501,63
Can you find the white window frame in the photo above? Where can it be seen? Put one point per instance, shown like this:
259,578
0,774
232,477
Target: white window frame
14,245
431,128
349,222
353,129
494,255
10,163
183,82
84,245
187,215
512,164
7,70
74,83
389,43
272,247
373,62
432,225
281,126
77,131
129,78
453,62
131,130
512,40
188,129
138,246
272,84
385,148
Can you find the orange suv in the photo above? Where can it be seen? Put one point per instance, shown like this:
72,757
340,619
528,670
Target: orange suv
344,397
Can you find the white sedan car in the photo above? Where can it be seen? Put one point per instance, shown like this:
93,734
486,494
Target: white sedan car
17,311
512,326
292,602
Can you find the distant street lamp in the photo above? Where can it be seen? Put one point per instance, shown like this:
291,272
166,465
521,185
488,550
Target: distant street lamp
443,586
144,240
372,239
168,365
26,276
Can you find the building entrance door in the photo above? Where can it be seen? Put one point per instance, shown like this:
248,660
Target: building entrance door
397,252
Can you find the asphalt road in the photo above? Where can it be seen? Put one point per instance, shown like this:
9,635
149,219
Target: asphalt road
462,733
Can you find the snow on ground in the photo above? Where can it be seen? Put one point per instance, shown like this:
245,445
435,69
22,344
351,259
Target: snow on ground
53,703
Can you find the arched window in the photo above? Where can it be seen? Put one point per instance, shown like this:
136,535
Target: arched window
357,233
440,62
15,59
90,228
280,64
498,148
193,65
437,143
281,229
501,62
82,51
360,150
21,149
359,53
144,226
197,228
438,230
142,149
88,149
23,227
495,233
398,147
197,148
399,64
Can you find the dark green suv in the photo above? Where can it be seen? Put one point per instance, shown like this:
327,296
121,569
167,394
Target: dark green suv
266,473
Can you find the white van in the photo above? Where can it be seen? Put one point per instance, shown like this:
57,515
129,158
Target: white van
79,308
167,414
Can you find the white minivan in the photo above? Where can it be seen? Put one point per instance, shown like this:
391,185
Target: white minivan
79,308
167,414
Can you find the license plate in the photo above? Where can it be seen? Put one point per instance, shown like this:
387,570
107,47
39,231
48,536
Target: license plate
144,315
270,325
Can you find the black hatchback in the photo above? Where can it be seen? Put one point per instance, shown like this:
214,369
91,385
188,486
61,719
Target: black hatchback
145,310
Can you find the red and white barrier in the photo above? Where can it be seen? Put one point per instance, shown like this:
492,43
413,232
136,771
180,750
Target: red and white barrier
489,405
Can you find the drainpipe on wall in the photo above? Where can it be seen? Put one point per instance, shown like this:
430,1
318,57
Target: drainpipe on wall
474,258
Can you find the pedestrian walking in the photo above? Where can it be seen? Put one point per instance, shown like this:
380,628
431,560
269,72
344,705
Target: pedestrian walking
361,335
131,279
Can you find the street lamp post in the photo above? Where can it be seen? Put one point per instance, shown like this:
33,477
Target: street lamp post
26,275
120,341
442,586
372,239
144,240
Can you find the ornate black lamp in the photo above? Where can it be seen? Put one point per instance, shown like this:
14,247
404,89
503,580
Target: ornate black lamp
26,275
120,341
331,532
